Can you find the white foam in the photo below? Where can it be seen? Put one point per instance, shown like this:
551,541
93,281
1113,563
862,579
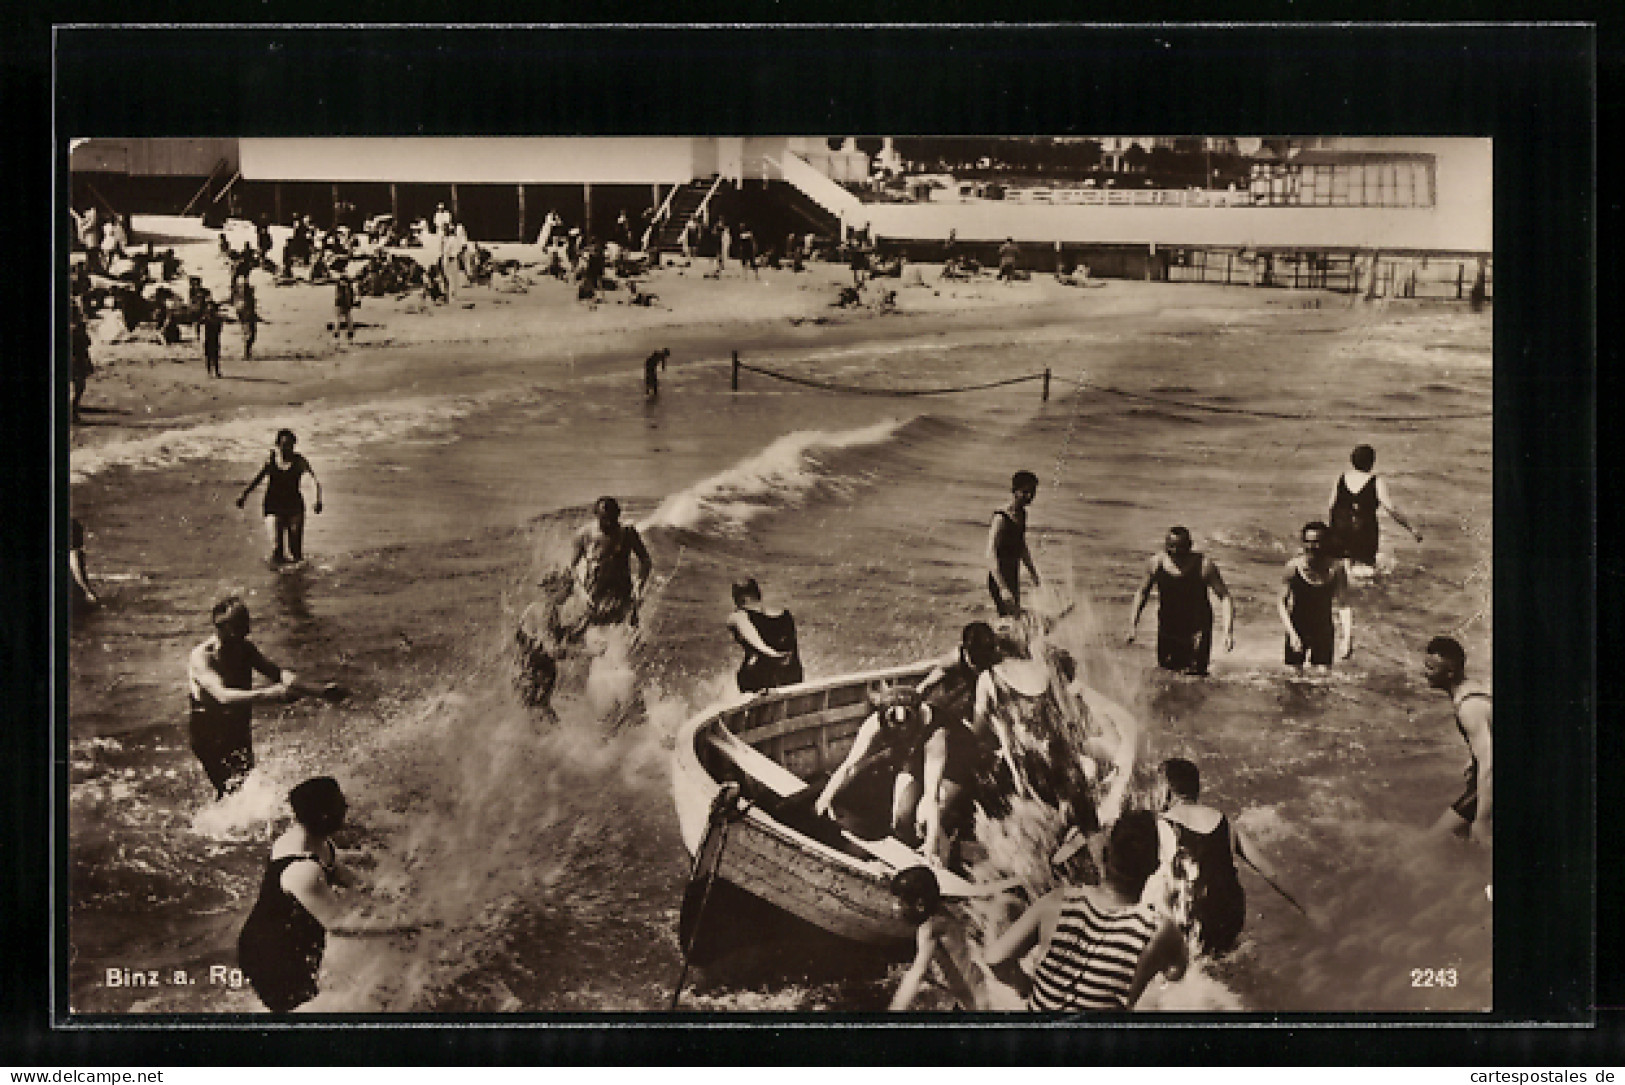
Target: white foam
247,438
783,472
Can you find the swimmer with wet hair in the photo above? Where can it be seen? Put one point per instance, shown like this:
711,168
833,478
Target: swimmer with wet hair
919,900
601,561
1007,548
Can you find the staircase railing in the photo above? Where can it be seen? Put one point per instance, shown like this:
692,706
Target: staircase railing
660,216
700,210
219,167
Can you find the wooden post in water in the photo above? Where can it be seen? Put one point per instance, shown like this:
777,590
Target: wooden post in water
521,190
1046,384
1461,273
736,371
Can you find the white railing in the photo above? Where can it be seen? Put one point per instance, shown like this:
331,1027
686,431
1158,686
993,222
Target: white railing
660,216
699,212
820,189
1120,197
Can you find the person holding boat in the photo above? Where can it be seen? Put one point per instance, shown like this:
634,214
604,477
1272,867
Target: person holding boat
919,898
875,791
772,657
1099,945
962,753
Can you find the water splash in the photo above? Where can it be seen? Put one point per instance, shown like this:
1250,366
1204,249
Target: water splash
783,474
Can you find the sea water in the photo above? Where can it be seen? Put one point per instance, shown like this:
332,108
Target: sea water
545,852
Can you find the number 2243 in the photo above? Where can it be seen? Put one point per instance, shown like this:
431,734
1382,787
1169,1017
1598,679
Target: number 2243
1433,977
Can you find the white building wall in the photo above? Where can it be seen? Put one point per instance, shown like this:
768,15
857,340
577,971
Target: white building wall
448,160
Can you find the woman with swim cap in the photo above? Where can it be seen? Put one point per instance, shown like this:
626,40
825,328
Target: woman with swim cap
284,503
772,657
281,946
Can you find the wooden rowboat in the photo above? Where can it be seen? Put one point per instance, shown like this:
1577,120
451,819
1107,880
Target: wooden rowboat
737,773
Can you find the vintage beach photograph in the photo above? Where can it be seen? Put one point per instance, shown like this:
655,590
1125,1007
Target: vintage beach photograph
974,577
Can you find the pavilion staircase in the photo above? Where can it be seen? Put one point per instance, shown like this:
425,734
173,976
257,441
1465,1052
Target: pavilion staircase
681,208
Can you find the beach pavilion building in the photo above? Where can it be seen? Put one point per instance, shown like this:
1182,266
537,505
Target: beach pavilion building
1318,212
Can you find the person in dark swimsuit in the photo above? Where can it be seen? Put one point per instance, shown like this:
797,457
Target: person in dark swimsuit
284,504
211,322
1199,845
772,657
1314,587
1182,579
1007,546
1472,816
1352,510
874,791
281,945
220,678
959,760
652,365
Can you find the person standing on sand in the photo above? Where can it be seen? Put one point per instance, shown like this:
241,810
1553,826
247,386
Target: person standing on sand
725,240
652,365
601,562
1471,817
284,503
1352,510
1182,579
1009,255
248,316
211,323
343,304
220,679
1007,546
1313,589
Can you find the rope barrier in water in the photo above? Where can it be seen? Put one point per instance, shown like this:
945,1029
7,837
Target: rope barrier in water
1216,408
831,386
1212,408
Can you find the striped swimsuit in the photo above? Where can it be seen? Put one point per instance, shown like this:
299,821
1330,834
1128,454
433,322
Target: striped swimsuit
1092,957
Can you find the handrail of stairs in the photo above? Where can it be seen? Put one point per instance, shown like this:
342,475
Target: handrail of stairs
700,210
660,216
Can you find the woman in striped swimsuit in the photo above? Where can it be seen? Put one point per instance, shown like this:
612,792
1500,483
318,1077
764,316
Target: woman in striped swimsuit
1100,946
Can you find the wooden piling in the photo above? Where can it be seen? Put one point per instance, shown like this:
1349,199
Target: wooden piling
736,371
1046,384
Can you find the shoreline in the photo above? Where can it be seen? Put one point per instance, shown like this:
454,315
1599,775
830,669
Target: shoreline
484,337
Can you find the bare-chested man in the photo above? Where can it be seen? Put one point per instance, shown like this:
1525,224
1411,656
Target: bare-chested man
601,563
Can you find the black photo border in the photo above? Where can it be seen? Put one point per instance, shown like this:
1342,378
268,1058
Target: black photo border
1531,88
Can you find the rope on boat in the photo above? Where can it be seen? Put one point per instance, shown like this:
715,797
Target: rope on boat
725,810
